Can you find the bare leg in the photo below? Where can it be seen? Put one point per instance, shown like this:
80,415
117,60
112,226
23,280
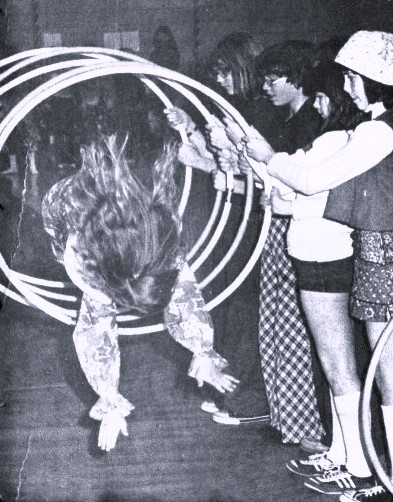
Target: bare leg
332,330
337,453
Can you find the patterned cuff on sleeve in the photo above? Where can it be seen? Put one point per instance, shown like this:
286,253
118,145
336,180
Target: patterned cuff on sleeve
103,406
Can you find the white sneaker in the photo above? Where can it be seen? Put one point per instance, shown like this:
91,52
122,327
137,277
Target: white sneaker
227,418
337,481
374,494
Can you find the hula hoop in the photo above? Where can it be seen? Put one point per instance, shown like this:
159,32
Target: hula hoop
39,55
365,407
220,227
54,82
239,236
210,120
86,70
49,88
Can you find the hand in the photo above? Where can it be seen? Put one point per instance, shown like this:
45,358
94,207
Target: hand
218,138
243,164
220,380
111,426
178,118
219,181
234,132
280,205
228,161
258,149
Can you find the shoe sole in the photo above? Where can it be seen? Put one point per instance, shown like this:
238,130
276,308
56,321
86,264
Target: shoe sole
238,421
319,487
331,491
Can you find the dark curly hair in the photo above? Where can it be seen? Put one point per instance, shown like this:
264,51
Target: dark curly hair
127,234
292,59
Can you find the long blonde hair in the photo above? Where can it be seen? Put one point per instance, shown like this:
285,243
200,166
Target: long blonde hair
127,234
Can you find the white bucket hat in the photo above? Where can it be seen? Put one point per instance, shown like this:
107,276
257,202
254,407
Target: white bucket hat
369,53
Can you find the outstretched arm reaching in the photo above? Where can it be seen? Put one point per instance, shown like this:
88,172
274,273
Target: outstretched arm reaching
96,343
190,324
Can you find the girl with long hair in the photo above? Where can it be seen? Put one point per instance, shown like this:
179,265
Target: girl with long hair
119,241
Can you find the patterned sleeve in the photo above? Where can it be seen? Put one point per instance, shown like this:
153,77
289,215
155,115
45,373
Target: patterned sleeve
190,324
96,342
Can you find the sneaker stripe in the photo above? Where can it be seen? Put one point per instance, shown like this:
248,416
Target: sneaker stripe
343,479
336,482
364,494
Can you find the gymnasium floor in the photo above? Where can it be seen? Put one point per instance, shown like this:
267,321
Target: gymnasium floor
174,451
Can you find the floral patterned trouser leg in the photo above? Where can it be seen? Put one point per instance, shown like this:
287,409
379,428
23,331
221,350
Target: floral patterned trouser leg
190,324
96,342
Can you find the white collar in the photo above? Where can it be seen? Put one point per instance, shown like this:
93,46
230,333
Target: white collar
376,109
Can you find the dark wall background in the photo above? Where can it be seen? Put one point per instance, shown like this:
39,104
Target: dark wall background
317,20
197,24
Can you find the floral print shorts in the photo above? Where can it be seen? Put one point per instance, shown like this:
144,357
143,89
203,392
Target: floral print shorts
372,288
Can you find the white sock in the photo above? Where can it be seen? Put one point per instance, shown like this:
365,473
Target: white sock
336,453
347,407
387,412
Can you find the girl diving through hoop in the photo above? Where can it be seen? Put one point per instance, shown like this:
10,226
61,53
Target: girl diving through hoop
119,241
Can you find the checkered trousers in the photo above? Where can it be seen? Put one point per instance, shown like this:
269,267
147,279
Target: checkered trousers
284,344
